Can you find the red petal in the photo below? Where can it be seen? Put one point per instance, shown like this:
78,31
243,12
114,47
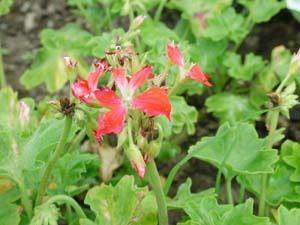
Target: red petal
81,90
154,102
175,55
141,170
111,122
101,66
120,78
139,78
197,74
108,98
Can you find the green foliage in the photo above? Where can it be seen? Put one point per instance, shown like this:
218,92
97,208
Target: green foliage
291,151
121,204
236,150
49,67
46,214
245,71
261,10
9,214
288,217
5,6
228,107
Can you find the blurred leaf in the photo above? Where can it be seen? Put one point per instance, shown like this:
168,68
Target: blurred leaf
168,151
70,168
228,107
122,203
280,61
262,10
288,217
5,6
180,112
291,151
237,150
161,31
9,214
49,65
191,87
46,214
207,53
245,71
184,196
227,24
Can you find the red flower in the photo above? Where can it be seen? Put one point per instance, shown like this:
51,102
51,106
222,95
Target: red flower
175,55
153,101
197,74
84,89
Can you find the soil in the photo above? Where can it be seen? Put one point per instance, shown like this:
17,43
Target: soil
20,38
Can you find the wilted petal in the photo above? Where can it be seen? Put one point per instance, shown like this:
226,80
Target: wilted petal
197,74
108,98
111,122
174,54
120,78
154,102
139,78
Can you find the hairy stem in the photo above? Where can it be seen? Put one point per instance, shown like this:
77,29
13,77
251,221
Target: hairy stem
69,201
59,149
229,191
264,178
159,194
25,199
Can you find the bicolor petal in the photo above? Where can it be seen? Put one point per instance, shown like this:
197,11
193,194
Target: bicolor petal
120,78
154,101
174,54
94,76
108,98
139,78
197,74
111,122
81,90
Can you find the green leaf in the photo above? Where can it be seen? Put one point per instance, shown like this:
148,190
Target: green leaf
49,66
237,150
122,203
227,24
180,112
9,214
5,6
168,151
245,71
70,168
184,195
161,31
288,217
46,214
207,53
262,10
230,107
291,152
191,87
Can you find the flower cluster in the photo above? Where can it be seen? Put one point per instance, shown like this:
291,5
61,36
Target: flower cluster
123,97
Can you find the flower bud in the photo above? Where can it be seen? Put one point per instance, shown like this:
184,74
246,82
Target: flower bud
24,115
295,64
135,157
136,23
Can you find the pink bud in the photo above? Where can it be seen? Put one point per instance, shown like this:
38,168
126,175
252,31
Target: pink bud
24,115
174,55
139,169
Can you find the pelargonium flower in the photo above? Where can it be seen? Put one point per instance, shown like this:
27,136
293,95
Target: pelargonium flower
195,73
84,89
153,101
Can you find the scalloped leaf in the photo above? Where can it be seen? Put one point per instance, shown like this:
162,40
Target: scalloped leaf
121,204
288,217
228,107
237,149
291,152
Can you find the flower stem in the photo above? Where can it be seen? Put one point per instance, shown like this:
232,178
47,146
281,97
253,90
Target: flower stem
159,10
242,194
174,171
229,191
159,194
79,137
25,199
69,201
55,157
264,178
218,182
